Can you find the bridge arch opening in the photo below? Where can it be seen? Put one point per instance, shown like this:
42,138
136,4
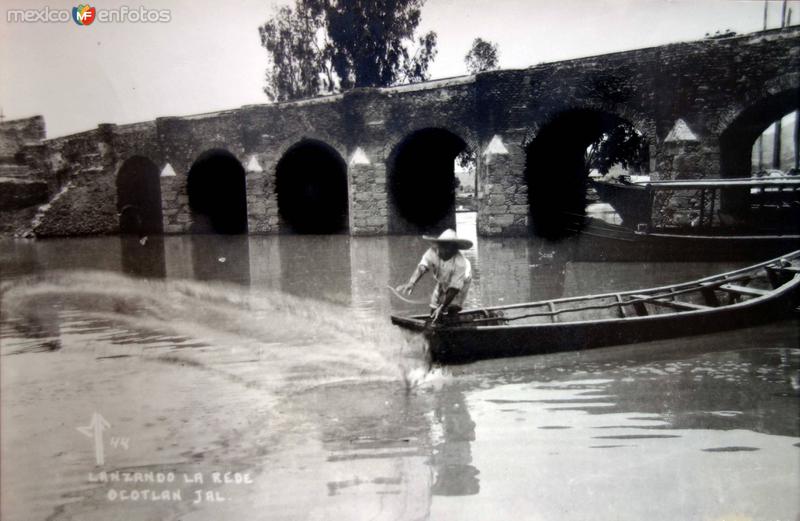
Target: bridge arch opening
565,151
776,150
743,154
422,181
739,142
311,184
218,194
139,197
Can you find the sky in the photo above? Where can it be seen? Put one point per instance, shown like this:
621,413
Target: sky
208,56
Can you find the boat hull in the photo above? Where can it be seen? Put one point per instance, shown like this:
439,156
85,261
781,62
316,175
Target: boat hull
602,241
464,345
631,202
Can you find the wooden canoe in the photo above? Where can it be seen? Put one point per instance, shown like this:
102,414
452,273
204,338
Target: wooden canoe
744,297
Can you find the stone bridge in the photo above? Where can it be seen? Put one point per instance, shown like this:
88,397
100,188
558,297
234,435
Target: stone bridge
377,161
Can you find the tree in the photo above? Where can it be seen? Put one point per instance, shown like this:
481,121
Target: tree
371,41
483,56
621,144
297,67
331,45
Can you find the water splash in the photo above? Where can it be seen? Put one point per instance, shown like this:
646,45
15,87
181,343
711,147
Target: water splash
264,338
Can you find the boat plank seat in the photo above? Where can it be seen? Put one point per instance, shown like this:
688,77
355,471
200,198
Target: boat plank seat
623,309
674,304
744,290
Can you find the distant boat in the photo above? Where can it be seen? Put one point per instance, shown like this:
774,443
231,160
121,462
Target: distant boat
749,296
755,196
742,214
630,200
600,240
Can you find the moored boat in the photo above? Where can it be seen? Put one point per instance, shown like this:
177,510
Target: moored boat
599,240
744,297
744,206
631,201
705,218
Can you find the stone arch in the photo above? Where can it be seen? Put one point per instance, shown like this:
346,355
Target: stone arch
311,188
736,140
139,197
633,114
281,146
217,193
465,132
421,181
555,167
784,82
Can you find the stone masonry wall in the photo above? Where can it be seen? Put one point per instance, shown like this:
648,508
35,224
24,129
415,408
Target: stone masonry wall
369,212
83,168
16,134
503,193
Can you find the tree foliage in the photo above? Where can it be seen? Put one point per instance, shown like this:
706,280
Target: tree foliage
466,159
293,41
322,46
623,145
483,56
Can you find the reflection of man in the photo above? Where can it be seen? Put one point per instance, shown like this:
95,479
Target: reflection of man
452,456
451,270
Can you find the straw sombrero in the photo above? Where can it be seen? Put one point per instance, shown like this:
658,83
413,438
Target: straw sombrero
449,236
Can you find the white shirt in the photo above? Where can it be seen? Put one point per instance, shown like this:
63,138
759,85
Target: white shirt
456,272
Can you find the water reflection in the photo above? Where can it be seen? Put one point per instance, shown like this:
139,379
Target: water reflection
452,451
373,441
351,271
221,257
370,272
143,256
706,393
316,267
607,435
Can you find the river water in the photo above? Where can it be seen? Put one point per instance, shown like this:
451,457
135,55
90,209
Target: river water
272,359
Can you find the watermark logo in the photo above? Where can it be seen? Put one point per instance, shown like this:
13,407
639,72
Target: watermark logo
84,14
